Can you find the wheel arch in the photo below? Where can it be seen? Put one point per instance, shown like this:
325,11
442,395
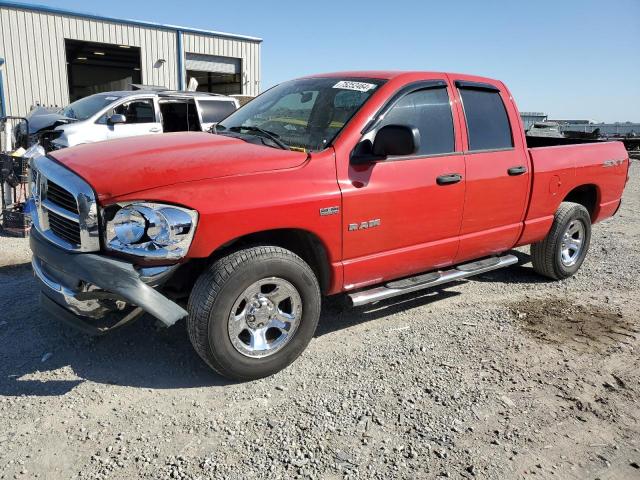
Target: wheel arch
587,195
307,245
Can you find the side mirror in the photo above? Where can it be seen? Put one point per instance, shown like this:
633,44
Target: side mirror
396,140
116,118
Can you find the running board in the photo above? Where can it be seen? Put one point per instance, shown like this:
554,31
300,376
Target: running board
432,279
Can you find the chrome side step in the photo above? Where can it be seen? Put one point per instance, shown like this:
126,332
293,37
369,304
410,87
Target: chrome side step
432,279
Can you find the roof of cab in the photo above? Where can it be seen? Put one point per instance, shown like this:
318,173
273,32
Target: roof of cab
391,74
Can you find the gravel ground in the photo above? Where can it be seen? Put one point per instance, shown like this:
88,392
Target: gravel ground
13,251
504,376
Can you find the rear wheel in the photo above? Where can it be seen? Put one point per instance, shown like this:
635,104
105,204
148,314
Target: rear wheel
253,312
563,250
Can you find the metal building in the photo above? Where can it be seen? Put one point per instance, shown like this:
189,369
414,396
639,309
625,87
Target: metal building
51,57
529,118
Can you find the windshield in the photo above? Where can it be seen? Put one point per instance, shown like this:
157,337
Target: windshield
88,106
305,114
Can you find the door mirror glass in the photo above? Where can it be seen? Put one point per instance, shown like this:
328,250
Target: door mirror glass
392,140
116,118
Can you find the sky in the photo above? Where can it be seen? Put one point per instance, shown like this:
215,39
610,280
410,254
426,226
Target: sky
572,59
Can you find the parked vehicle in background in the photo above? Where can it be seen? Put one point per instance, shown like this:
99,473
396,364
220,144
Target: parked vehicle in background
545,129
375,184
110,115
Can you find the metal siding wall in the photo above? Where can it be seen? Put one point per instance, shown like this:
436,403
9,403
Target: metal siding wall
35,70
248,51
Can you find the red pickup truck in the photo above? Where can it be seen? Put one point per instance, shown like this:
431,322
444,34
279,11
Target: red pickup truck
374,184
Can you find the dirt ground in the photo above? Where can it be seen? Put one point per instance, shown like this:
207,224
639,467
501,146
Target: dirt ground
504,376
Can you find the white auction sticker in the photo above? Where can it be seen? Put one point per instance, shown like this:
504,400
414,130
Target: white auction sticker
357,86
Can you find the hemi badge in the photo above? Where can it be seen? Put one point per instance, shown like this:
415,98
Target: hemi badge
329,211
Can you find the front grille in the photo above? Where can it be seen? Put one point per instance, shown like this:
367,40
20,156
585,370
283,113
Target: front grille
64,228
66,210
58,195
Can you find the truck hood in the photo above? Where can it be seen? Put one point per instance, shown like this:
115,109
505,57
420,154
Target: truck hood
128,165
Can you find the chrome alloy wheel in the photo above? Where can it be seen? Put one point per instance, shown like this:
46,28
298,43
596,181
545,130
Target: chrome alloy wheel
572,243
265,317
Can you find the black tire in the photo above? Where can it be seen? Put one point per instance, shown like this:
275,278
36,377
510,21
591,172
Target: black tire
218,288
546,255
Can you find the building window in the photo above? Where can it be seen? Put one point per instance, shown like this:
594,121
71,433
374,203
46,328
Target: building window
225,83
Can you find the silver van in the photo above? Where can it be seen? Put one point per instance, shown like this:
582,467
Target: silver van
109,115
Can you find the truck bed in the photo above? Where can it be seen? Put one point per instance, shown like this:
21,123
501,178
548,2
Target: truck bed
595,171
539,141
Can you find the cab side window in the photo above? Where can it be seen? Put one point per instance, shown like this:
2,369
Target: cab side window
488,126
429,111
136,111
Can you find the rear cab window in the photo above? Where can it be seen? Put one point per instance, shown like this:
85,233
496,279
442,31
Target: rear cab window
488,125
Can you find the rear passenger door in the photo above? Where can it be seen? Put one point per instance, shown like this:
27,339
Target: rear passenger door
497,170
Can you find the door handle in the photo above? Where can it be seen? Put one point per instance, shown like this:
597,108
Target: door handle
448,179
517,170
154,129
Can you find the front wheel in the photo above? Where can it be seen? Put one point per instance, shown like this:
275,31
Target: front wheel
253,312
563,250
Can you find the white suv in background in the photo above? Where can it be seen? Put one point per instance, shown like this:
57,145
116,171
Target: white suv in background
109,115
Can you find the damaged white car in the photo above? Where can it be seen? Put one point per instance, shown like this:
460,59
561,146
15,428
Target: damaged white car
109,115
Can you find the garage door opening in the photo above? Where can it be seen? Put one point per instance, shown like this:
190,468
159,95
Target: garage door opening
215,74
100,67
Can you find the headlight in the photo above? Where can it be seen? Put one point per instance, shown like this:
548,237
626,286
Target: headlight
34,179
151,230
129,226
34,151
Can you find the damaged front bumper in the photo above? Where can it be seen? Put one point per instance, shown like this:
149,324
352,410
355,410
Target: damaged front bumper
96,293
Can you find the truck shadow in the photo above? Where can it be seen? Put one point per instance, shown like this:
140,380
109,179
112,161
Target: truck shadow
338,315
42,357
521,273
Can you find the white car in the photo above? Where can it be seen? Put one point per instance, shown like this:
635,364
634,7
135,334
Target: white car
109,115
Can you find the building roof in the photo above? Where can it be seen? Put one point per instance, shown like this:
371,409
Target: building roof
141,23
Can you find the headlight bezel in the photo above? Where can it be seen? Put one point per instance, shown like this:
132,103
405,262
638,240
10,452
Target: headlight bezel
176,241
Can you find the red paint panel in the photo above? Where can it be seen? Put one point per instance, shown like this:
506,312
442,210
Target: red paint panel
419,219
126,165
576,165
232,207
535,230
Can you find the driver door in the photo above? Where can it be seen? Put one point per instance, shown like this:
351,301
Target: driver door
402,215
142,119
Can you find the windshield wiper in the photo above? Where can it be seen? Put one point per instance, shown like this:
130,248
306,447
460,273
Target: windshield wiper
274,137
